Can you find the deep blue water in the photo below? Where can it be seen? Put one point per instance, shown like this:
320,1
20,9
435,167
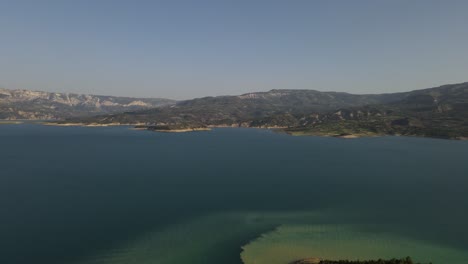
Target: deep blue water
69,192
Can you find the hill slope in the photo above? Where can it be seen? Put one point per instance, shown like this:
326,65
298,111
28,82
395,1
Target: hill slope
437,112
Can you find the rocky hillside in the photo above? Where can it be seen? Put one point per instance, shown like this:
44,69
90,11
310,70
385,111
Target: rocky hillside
24,104
437,112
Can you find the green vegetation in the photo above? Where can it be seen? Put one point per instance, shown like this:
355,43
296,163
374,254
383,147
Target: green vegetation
339,129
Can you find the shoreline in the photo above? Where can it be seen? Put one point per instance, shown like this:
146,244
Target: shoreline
344,136
85,124
140,126
183,130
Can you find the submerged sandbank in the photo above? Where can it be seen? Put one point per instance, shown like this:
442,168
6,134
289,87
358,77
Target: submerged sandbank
290,243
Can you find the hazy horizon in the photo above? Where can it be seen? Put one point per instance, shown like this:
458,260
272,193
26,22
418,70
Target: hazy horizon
185,49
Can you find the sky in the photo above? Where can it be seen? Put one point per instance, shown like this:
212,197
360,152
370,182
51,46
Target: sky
185,49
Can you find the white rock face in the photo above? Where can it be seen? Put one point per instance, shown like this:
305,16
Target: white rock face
137,103
108,103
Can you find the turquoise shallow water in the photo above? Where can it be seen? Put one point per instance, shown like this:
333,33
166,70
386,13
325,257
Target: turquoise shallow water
114,195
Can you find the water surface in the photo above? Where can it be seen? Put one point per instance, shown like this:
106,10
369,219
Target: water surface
114,195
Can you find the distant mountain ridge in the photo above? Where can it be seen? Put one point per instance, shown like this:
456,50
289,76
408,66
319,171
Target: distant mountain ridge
273,108
434,112
26,104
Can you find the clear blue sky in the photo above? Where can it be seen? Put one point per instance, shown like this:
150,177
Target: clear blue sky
184,49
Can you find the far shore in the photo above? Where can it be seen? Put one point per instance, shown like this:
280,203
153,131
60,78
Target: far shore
135,127
181,130
142,126
86,124
344,136
279,129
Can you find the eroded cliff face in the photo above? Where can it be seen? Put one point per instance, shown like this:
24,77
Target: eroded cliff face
25,104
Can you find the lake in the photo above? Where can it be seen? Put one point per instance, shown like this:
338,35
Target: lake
114,195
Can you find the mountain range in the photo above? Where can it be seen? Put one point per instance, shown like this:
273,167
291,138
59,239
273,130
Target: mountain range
440,112
25,104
